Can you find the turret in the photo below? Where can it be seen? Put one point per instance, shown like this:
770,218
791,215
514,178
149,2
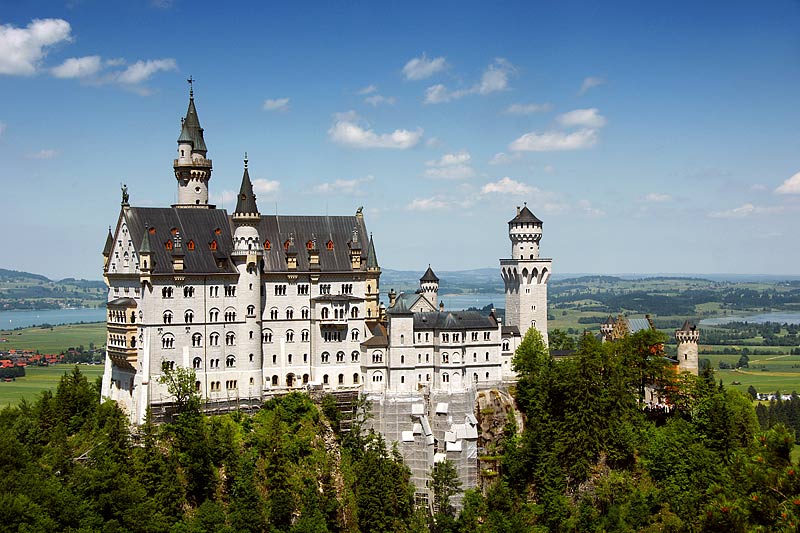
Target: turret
107,249
355,250
429,285
373,280
687,338
192,168
525,232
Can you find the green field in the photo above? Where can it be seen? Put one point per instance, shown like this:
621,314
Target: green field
767,373
40,378
55,339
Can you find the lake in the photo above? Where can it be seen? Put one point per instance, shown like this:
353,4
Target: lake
27,318
783,317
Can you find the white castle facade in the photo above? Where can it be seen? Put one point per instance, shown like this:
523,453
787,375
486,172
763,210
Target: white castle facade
259,305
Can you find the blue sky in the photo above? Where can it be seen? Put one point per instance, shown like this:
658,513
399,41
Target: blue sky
651,137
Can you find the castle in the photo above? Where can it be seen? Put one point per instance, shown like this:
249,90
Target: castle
260,304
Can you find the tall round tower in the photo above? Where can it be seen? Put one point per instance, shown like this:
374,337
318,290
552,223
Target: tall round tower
246,255
526,274
192,169
687,338
429,286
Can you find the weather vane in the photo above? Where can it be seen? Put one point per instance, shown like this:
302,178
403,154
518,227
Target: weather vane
245,160
190,81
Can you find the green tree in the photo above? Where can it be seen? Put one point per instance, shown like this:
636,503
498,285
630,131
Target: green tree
180,384
445,484
559,340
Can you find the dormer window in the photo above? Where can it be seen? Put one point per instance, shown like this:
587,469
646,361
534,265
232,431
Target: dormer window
310,245
190,245
329,245
286,246
217,231
152,231
174,231
168,245
267,245
213,245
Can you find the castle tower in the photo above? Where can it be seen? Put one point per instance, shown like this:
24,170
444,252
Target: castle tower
429,285
246,257
373,282
525,275
687,338
192,169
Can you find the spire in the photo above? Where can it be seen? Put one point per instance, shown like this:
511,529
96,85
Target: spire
372,258
246,202
145,247
191,132
429,276
109,243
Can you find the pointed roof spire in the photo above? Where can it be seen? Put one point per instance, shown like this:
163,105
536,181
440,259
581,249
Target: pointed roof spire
372,258
109,243
191,132
525,215
429,276
145,247
246,202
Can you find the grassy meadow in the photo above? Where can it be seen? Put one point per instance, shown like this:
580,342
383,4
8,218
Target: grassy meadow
55,339
41,378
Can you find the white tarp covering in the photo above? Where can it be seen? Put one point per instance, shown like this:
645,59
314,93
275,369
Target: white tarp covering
441,408
417,409
417,428
408,436
454,446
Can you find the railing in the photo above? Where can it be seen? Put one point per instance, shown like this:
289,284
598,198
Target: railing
193,163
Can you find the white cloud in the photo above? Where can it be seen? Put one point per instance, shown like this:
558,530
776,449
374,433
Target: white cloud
266,186
347,132
369,89
587,118
340,186
746,210
590,82
141,71
78,67
587,209
655,197
502,158
507,186
43,154
428,204
377,99
451,166
550,141
527,109
22,49
223,197
494,78
276,104
790,186
421,67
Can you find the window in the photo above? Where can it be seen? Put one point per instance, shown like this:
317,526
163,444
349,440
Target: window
377,377
354,335
325,289
274,381
230,338
166,366
167,317
267,245
354,312
474,335
266,336
289,359
290,336
213,315
402,359
487,356
325,379
402,339
289,314
166,292
213,339
274,359
341,379
197,339
445,378
455,337
197,363
475,377
197,386
230,290
231,384
326,357
487,376
427,358
505,345
230,315
167,341
339,357
354,356
302,289
474,357
377,357
188,292
487,335
347,288
188,316
280,290
251,310
355,379
230,361
325,313
445,337
445,357
304,313
304,335
329,245
213,292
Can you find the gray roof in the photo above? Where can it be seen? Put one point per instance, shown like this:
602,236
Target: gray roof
402,304
145,246
688,326
525,215
122,302
109,243
429,276
372,259
246,201
453,320
510,331
203,226
637,324
379,337
190,129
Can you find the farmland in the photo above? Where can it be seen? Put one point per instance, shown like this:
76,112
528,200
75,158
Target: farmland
40,378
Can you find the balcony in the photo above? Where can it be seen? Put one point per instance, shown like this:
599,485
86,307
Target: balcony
194,163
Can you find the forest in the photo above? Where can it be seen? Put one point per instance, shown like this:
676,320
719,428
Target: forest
588,458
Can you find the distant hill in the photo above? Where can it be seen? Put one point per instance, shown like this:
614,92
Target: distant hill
25,290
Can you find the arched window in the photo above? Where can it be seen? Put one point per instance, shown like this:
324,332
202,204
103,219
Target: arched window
290,336
188,316
377,356
251,310
190,245
197,363
354,356
168,245
402,339
188,292
267,245
266,335
304,313
197,339
273,313
274,381
289,359
213,315
445,378
230,338
355,379
341,379
339,357
289,313
304,335
213,245
402,359
475,377
230,361
329,245
167,317
354,335
505,345
325,379
326,357
325,313
213,339
354,312
445,357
